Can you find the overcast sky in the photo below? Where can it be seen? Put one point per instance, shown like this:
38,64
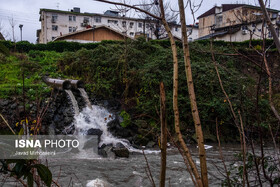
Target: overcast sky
26,12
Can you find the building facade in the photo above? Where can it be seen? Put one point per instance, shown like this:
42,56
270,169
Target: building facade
95,34
55,23
235,22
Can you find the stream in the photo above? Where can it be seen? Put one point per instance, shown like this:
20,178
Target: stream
122,172
97,171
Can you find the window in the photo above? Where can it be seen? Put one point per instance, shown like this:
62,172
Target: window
53,38
124,23
97,19
244,27
152,25
72,18
86,19
277,31
131,33
274,15
269,35
131,24
176,28
254,25
72,29
54,18
220,18
112,21
54,27
140,25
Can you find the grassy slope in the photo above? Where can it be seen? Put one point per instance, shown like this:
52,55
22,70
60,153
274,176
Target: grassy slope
133,79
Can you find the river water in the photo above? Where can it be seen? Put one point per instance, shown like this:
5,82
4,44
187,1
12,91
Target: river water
132,171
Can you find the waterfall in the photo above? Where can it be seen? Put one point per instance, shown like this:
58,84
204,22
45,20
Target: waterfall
73,101
97,118
85,97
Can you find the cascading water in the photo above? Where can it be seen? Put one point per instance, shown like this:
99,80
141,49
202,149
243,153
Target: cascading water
97,118
73,101
85,97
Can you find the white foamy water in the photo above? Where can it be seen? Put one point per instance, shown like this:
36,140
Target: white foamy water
98,183
97,118
73,101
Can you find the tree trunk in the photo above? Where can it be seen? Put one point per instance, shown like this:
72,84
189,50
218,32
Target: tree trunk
175,97
194,109
163,140
270,25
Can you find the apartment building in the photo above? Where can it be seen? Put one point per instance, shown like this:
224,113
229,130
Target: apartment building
55,23
235,22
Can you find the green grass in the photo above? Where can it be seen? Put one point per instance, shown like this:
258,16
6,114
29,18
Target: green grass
32,66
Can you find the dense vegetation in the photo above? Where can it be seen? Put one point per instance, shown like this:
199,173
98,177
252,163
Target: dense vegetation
130,72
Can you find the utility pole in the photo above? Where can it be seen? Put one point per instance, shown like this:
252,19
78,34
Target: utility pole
20,26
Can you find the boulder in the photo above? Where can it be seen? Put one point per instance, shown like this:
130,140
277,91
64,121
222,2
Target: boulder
97,132
93,131
121,152
106,151
109,151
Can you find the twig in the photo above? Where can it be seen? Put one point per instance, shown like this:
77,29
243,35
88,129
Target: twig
221,153
149,170
55,182
8,124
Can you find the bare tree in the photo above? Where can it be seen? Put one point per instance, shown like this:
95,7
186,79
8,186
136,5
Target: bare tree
270,25
163,137
13,24
194,170
192,96
155,25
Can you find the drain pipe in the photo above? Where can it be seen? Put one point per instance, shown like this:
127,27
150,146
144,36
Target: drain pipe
75,84
57,83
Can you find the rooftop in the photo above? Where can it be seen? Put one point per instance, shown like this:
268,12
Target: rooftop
226,7
91,29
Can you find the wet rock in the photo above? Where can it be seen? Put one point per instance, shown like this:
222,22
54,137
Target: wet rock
13,106
106,151
20,109
150,144
121,152
58,118
4,103
93,131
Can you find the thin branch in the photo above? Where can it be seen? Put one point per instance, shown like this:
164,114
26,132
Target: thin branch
7,124
149,170
130,6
